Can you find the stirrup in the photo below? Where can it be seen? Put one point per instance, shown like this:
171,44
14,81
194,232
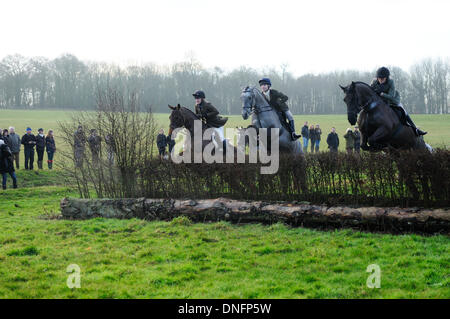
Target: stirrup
419,132
295,136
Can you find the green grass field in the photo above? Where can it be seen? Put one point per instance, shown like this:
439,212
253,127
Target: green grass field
139,259
438,126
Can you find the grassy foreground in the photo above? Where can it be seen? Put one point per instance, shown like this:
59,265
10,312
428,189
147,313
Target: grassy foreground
177,259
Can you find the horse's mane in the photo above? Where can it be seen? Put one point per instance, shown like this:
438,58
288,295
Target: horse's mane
254,90
190,111
365,84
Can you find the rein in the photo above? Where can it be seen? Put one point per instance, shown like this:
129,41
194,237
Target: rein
256,110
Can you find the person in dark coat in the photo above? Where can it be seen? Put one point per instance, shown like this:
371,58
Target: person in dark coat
312,137
94,142
385,88
357,135
318,133
40,146
333,140
15,143
277,101
6,164
210,115
29,142
5,135
305,134
171,143
50,146
161,142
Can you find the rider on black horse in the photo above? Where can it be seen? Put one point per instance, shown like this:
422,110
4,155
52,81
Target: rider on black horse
277,100
385,88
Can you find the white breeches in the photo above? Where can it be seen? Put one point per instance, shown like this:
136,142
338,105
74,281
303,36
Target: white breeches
218,131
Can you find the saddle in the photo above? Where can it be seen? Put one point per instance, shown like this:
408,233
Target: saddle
400,112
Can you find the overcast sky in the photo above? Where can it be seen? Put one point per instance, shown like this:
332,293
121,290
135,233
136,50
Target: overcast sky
309,36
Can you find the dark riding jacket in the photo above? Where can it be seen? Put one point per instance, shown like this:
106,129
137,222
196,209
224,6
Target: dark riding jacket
278,101
209,112
390,94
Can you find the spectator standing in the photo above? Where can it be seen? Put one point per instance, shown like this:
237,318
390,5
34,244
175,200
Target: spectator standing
333,140
161,142
318,133
40,147
110,148
357,135
29,142
305,134
14,145
312,137
171,143
94,144
349,141
50,146
79,145
5,136
6,164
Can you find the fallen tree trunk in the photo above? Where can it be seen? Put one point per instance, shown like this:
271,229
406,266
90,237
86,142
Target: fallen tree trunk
394,219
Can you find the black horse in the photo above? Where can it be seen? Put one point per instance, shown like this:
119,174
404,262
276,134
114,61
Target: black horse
378,123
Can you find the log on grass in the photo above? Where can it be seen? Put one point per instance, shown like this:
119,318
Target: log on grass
393,219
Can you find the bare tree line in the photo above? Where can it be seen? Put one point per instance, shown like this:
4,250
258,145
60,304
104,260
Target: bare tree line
69,83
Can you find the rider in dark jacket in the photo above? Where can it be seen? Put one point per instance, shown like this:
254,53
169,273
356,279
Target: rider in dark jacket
385,88
210,115
278,100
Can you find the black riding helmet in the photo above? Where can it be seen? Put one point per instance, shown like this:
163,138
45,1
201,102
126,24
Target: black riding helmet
199,94
383,72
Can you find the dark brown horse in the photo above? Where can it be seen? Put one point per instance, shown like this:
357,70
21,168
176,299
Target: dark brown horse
378,123
184,117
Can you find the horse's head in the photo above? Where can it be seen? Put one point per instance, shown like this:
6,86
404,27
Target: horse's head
351,99
248,101
176,118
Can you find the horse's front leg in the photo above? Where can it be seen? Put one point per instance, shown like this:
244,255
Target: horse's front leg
364,145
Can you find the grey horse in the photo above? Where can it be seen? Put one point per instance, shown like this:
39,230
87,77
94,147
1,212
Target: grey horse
264,116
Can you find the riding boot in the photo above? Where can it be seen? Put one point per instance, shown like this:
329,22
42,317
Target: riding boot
40,164
4,187
15,184
411,123
294,136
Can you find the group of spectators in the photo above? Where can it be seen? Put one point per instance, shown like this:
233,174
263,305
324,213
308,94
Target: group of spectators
10,145
94,141
313,134
352,140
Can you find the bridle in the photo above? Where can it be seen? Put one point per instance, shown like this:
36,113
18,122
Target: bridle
252,107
